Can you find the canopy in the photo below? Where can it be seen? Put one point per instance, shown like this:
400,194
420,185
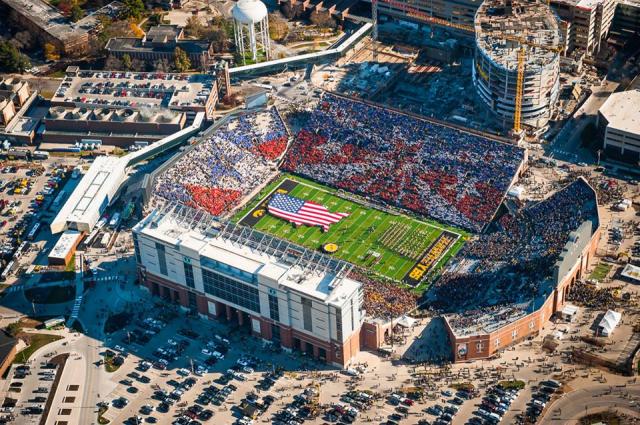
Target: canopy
569,311
609,322
406,321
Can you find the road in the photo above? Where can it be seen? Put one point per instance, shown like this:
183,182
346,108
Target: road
597,398
566,145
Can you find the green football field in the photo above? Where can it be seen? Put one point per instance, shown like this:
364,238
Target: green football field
388,244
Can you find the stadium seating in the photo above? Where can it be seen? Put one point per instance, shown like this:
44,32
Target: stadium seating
219,171
452,176
510,265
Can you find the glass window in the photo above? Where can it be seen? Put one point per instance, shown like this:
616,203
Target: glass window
231,290
274,308
162,258
137,249
306,314
188,275
339,323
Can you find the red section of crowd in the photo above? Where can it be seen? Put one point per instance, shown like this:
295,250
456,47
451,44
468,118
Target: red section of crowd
212,199
272,149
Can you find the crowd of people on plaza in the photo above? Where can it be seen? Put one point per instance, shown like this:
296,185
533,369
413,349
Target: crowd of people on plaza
592,296
384,300
431,169
512,263
218,172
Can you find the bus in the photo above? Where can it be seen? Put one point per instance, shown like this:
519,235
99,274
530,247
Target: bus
56,202
52,323
34,230
115,220
7,271
40,155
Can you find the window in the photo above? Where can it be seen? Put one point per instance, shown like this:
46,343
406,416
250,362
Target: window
137,249
352,318
162,258
339,323
306,314
193,302
514,333
188,275
229,271
497,342
532,325
231,290
274,309
480,347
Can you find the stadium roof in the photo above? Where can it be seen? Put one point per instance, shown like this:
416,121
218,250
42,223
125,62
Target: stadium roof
302,270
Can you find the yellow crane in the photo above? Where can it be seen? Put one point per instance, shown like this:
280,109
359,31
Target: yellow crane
522,41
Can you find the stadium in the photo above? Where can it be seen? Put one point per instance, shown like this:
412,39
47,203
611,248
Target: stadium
407,205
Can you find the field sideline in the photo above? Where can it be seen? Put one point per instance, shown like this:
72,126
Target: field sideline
387,244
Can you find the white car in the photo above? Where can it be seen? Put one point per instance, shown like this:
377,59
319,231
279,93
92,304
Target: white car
172,342
351,372
183,372
118,348
207,352
247,369
217,355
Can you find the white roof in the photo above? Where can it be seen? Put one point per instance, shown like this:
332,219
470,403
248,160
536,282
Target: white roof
66,242
326,287
249,11
610,321
569,310
96,188
622,112
406,321
631,272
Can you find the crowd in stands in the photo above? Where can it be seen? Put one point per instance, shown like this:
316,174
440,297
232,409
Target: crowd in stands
384,300
513,262
218,172
447,174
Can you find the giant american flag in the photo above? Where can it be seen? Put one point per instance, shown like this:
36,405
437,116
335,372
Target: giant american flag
299,211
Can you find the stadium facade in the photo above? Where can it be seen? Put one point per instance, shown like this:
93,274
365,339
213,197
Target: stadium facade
281,292
503,326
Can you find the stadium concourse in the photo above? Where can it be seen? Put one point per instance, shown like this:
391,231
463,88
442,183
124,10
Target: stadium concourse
504,285
452,176
217,173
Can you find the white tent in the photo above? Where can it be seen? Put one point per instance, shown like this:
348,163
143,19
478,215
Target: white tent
609,322
569,312
406,321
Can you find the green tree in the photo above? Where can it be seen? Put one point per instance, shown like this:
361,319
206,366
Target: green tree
126,62
182,62
132,9
76,13
14,328
11,60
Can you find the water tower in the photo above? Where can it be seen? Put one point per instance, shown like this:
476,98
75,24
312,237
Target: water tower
251,29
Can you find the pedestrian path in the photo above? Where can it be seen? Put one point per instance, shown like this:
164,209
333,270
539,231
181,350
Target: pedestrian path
14,288
79,289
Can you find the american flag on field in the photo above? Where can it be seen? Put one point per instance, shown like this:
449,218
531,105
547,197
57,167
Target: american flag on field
299,211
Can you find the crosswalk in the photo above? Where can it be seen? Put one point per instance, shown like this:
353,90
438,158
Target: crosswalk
14,288
76,309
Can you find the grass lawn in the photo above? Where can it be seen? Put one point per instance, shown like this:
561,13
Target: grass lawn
385,243
512,385
600,272
36,341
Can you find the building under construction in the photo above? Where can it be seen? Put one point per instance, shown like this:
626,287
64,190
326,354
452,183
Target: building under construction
517,60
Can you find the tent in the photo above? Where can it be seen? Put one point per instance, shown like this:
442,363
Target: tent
569,312
406,321
609,322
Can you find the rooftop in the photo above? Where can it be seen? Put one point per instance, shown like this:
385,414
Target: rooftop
67,241
132,44
293,266
621,111
146,115
499,27
52,21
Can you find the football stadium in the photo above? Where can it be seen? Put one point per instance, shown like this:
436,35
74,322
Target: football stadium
400,193
366,209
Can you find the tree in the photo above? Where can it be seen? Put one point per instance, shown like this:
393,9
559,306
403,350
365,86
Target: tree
181,62
219,40
291,11
136,30
137,65
76,13
322,20
14,328
113,63
278,28
162,65
51,52
126,62
23,40
132,9
194,27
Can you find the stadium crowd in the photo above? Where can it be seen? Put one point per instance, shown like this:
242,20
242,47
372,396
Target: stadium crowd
384,300
592,297
453,176
219,171
513,263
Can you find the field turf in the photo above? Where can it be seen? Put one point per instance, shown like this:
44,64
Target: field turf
385,243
